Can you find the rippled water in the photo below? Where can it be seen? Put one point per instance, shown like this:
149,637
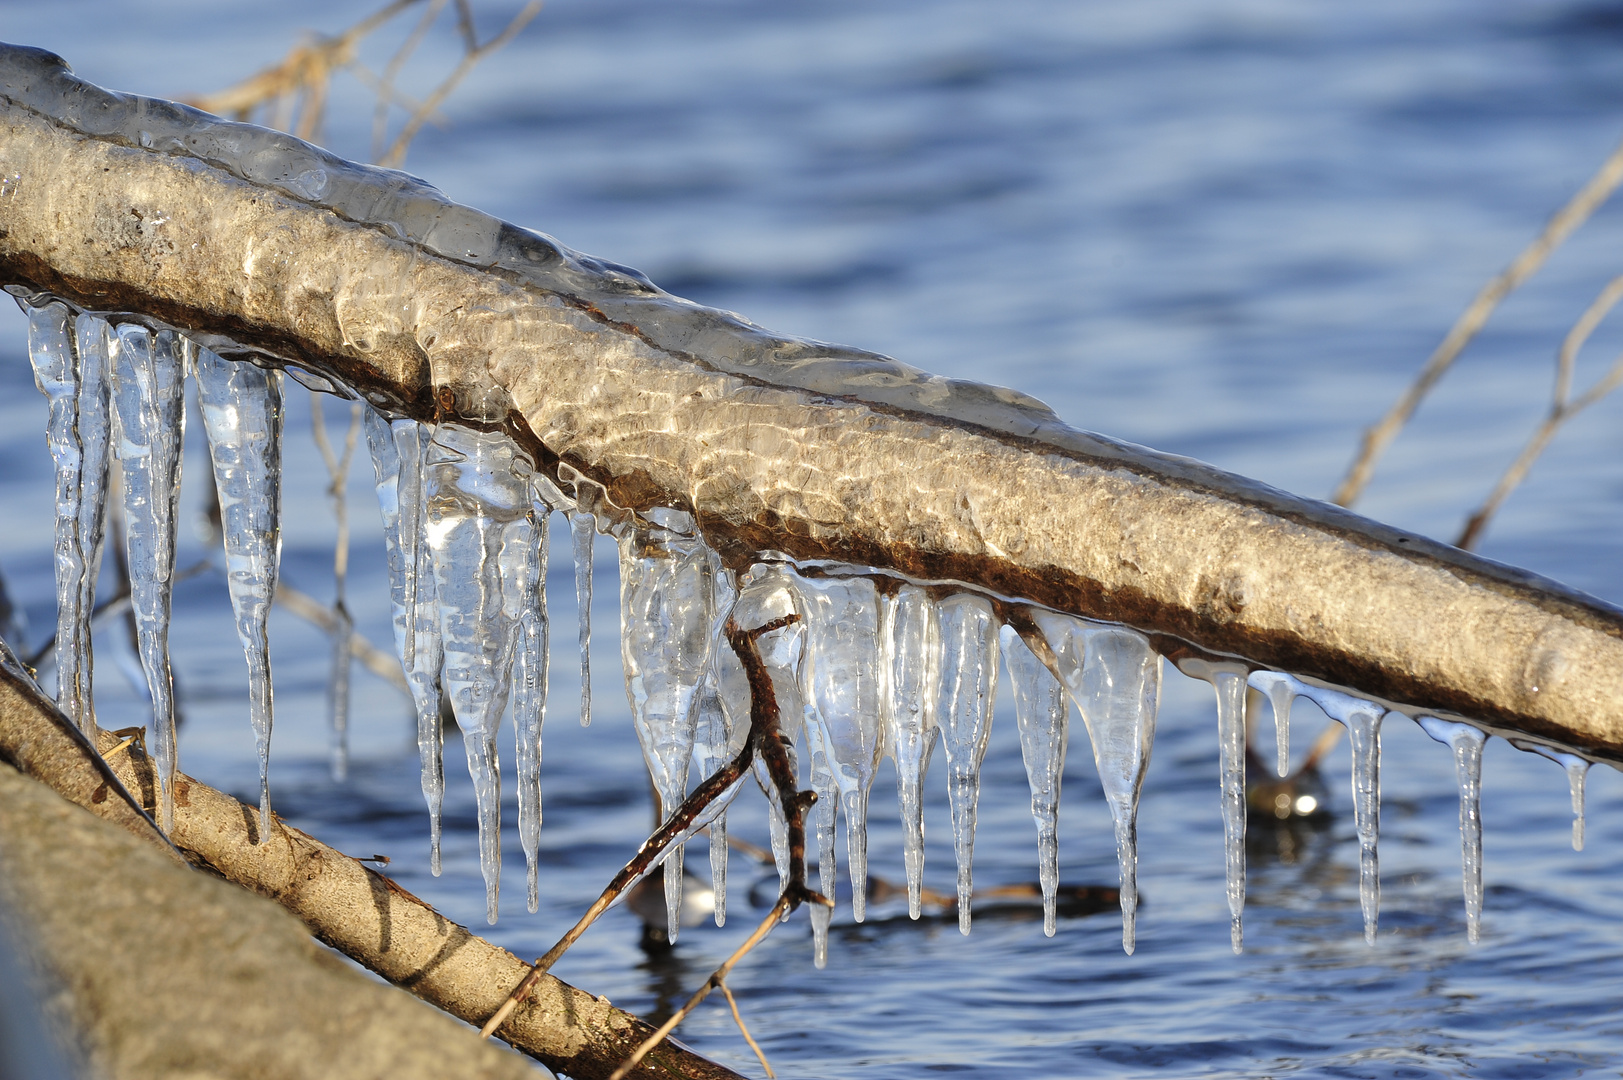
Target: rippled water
1230,230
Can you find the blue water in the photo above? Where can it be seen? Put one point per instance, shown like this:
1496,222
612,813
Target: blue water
1225,229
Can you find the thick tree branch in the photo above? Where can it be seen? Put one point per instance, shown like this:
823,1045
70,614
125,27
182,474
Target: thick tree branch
259,244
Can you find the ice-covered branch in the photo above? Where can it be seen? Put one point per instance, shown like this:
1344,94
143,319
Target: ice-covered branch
258,244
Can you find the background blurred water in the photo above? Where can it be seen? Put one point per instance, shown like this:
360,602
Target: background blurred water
1225,229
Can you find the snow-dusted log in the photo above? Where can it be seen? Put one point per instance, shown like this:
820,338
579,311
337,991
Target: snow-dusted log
257,243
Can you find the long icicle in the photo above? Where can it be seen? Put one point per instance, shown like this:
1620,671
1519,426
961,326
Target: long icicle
242,414
51,350
1114,676
911,637
1229,683
666,597
843,722
582,530
148,389
1466,743
969,655
477,493
1042,712
527,569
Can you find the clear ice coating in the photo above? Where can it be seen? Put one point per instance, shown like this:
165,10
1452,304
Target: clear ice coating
911,666
242,414
1466,742
842,686
1114,676
477,490
969,654
1281,692
56,373
524,573
1577,772
397,461
1042,712
149,394
582,529
666,623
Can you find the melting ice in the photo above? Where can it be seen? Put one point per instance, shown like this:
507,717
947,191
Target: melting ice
1042,713
148,393
242,414
911,658
477,490
1466,742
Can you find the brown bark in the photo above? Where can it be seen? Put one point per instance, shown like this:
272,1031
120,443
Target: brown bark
352,908
663,404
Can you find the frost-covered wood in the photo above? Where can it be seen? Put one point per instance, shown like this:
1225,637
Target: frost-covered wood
258,243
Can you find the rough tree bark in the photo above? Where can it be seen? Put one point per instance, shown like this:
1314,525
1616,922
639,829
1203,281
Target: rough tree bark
352,908
762,439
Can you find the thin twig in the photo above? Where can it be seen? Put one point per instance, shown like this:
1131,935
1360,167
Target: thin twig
764,737
1525,265
745,1031
1561,409
396,155
391,71
785,904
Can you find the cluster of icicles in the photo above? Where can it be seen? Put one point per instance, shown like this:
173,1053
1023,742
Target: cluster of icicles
874,667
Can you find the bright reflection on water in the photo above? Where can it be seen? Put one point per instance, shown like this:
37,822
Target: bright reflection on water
1228,230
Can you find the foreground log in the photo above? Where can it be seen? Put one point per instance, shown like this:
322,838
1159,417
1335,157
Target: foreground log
352,908
263,246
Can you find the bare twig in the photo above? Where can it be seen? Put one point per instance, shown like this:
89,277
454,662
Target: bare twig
1562,409
385,88
1525,265
738,1019
396,155
306,71
764,737
786,903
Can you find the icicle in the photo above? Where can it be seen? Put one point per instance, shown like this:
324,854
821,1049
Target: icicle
1362,719
1281,692
911,641
842,685
477,490
1230,686
1114,676
1466,742
969,652
56,374
242,414
582,529
97,350
397,459
720,732
1577,772
666,619
148,390
821,824
524,573
1042,712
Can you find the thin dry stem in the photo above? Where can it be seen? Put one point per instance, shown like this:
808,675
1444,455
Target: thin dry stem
743,1030
783,907
1562,409
385,89
396,155
1577,210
